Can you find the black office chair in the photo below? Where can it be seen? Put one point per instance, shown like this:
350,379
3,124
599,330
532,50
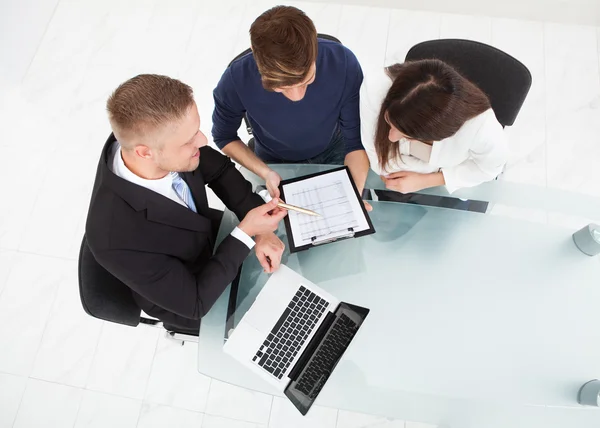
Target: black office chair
504,79
105,297
247,51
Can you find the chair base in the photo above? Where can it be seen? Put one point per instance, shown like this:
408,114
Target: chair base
169,334
180,337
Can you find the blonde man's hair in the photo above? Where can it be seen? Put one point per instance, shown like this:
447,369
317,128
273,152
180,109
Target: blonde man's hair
144,103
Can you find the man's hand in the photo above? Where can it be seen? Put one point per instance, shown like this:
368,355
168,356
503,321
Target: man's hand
272,179
269,250
358,164
409,182
263,219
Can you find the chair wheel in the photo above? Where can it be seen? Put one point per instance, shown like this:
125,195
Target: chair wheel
171,336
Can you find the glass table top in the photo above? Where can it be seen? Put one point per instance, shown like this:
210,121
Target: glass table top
475,319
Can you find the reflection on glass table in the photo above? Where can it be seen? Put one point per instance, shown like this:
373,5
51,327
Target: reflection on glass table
476,320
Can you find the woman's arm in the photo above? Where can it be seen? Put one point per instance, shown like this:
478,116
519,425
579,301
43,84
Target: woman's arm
372,92
487,156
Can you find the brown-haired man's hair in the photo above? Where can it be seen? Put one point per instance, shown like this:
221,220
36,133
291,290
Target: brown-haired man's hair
146,102
428,101
284,44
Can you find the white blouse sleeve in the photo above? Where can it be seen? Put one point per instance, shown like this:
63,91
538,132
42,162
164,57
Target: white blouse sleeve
488,154
372,93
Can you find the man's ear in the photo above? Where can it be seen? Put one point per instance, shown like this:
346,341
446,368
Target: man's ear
143,151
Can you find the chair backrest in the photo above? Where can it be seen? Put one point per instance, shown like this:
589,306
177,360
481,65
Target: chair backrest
504,79
319,35
102,295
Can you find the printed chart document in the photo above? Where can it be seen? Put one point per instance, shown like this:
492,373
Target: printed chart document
331,194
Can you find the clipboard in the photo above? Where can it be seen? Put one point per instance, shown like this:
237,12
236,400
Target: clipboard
363,225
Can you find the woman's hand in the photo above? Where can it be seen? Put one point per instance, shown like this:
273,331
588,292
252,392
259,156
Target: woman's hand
409,182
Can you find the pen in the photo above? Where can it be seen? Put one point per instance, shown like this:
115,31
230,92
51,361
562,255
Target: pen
298,209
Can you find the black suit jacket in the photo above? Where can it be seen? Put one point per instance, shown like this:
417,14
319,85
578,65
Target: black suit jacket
162,250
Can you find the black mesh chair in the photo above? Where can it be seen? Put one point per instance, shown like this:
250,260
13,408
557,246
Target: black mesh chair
105,297
247,51
504,79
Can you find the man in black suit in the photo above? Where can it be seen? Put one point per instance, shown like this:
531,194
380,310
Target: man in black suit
149,223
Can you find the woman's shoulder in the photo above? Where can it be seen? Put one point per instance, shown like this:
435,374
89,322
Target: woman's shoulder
488,119
372,93
376,84
484,124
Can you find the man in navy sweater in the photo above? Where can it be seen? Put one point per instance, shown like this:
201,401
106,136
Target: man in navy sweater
301,97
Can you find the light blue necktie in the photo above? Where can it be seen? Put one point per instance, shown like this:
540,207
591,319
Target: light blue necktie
183,191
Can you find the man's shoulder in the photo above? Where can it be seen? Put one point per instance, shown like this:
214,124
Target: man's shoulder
106,209
337,60
209,159
337,50
110,213
243,68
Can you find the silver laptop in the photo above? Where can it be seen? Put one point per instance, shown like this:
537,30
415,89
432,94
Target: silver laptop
294,335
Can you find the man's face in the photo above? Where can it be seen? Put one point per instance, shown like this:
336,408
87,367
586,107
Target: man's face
297,92
179,144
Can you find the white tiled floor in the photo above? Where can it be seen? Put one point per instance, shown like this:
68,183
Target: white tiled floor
123,360
224,400
12,389
99,410
157,416
48,404
171,383
60,368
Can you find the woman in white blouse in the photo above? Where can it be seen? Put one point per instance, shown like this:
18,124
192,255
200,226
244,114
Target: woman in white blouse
424,125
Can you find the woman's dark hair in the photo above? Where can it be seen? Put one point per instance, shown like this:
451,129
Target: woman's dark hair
428,101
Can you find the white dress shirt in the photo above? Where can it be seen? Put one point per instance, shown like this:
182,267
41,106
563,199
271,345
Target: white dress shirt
475,154
162,186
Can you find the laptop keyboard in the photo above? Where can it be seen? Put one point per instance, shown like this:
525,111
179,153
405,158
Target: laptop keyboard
326,356
291,331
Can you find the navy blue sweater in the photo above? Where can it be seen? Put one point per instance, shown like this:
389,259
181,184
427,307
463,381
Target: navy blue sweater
287,130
